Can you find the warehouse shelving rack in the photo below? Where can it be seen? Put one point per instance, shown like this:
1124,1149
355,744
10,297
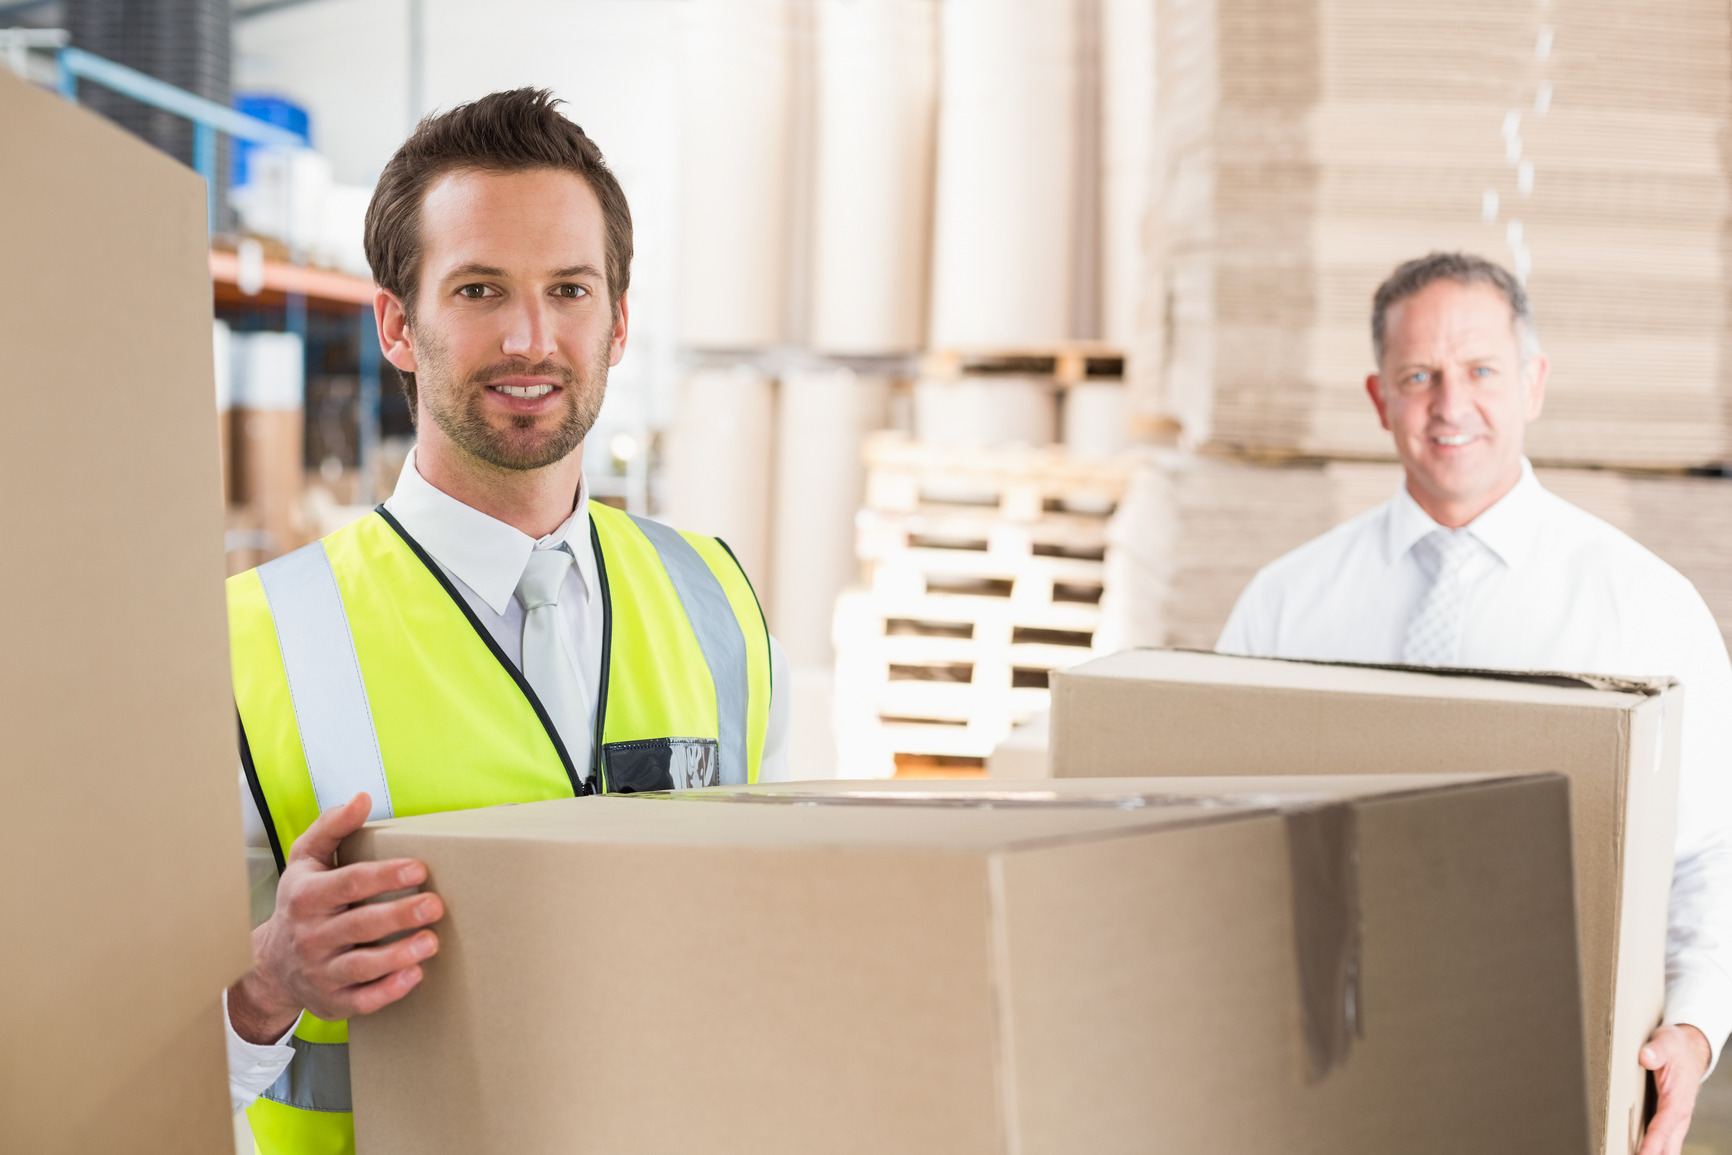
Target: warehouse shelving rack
290,282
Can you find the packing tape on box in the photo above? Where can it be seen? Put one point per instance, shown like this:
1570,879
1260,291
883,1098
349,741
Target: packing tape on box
1323,852
1323,858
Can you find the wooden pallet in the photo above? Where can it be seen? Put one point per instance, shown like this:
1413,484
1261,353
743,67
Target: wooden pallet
985,570
1012,484
1065,363
946,674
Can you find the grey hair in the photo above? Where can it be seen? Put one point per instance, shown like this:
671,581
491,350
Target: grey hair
1464,269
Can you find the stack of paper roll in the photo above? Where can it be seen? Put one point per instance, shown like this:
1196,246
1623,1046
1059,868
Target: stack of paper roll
734,200
1095,421
877,92
716,462
823,417
1004,255
1308,148
822,421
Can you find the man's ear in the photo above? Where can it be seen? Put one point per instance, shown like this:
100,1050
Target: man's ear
621,316
1535,374
395,340
1374,390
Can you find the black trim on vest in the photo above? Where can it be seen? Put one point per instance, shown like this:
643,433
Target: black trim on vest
769,655
505,663
258,792
598,760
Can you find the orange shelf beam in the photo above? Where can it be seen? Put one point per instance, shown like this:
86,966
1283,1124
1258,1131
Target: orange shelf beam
280,277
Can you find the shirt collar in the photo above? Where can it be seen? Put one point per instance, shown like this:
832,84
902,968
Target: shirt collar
1507,528
482,552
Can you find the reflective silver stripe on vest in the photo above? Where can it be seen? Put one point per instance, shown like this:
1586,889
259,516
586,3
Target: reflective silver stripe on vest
317,1078
719,637
325,686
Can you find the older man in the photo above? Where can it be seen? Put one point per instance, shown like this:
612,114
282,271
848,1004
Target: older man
1474,563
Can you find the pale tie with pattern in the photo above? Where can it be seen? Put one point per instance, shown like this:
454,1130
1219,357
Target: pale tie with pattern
545,662
1434,632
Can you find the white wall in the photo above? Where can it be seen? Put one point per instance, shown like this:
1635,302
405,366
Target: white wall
347,63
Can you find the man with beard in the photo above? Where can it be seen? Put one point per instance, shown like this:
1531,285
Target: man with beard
488,635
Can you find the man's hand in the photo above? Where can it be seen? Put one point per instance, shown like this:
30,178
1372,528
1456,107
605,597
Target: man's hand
310,953
1679,1057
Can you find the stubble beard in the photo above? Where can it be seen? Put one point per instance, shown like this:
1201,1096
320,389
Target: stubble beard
460,410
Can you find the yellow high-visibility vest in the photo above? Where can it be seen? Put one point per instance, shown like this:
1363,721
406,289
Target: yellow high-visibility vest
358,666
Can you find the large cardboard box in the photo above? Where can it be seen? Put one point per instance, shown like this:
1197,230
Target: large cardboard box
1155,712
123,912
1293,965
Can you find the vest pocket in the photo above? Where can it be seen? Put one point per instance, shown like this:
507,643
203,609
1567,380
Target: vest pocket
661,764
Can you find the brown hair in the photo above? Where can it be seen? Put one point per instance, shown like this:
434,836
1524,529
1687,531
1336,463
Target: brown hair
504,132
1464,269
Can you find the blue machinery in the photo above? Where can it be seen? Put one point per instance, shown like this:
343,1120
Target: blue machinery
208,119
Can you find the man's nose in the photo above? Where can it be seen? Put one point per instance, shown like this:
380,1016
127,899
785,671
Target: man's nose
1452,397
528,330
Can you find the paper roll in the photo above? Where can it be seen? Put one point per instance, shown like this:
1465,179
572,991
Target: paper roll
822,421
735,173
1095,420
1002,261
716,465
877,93
985,411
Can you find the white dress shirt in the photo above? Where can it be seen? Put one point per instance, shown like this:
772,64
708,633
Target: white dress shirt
485,558
1555,589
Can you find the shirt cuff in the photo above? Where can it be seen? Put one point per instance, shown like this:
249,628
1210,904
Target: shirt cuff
1701,1002
253,1067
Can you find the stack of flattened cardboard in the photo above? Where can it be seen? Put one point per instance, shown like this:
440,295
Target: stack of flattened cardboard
1292,965
123,912
1309,148
1154,712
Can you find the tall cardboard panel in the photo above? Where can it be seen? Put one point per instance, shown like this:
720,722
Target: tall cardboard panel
124,905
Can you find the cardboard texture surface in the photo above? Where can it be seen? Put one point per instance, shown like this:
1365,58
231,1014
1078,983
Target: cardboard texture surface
1098,966
125,904
1152,712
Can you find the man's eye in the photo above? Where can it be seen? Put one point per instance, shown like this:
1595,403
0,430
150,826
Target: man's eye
1482,371
473,292
570,292
1418,378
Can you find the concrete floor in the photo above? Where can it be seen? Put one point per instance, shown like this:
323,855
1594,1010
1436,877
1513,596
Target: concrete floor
1711,1133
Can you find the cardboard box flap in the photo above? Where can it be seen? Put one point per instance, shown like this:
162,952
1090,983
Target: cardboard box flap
1272,792
1205,667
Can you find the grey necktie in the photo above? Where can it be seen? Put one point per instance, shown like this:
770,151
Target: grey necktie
1434,632
546,662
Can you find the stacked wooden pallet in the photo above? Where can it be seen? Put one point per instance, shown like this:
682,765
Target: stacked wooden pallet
984,571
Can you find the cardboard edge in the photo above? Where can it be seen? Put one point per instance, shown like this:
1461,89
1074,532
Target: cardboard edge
1004,1017
1647,687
